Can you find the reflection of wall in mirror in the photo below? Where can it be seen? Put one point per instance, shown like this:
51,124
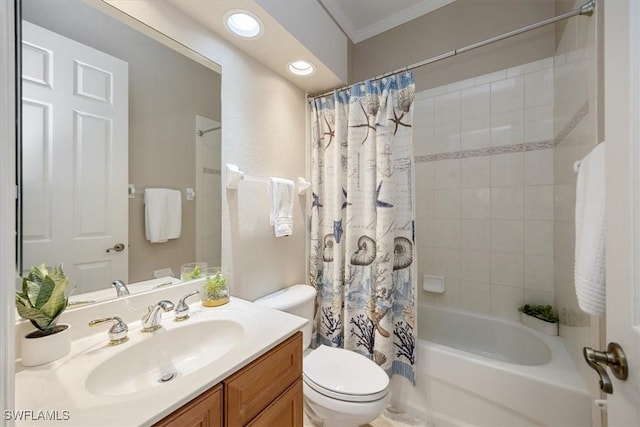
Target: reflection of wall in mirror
208,191
166,92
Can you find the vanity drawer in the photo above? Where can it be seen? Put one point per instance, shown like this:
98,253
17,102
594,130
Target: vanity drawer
286,411
203,411
255,387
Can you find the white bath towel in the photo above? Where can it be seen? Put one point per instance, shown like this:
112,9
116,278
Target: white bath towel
162,214
590,233
281,198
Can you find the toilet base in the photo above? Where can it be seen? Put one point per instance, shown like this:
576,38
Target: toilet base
325,411
311,415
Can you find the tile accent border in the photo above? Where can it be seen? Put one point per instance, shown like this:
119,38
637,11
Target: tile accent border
577,118
515,148
211,171
489,151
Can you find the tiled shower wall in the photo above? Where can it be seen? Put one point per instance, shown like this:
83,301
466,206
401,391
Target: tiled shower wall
578,117
577,134
485,189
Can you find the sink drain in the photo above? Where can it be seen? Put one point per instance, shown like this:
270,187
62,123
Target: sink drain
168,376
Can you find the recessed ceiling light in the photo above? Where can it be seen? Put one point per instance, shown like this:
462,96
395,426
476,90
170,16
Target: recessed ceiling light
301,68
243,24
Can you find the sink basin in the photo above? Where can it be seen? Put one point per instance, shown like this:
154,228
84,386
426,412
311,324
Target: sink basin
164,357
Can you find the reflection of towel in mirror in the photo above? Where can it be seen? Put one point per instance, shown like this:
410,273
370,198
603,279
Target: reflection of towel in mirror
590,233
162,214
281,197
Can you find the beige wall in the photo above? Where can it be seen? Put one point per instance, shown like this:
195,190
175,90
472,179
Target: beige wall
264,134
166,92
453,26
576,130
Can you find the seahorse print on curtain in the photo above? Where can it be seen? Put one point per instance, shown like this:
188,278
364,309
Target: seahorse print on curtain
362,222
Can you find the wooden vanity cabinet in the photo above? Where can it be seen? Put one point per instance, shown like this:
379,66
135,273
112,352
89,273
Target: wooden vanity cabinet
267,392
253,388
203,411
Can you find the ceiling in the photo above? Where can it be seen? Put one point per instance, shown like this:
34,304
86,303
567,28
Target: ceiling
297,29
362,19
275,48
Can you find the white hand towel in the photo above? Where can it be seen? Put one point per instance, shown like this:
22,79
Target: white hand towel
162,214
281,197
590,233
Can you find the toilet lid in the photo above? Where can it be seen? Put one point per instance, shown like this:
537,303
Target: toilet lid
345,375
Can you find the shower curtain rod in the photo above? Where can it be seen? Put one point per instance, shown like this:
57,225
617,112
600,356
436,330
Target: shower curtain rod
586,9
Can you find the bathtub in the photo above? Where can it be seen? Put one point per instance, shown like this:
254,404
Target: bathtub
475,370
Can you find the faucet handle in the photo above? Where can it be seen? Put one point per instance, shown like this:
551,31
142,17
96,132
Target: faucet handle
182,309
117,332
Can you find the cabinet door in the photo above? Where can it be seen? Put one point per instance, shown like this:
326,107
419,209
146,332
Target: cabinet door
254,387
286,411
203,411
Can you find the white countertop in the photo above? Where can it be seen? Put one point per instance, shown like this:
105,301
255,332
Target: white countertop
61,385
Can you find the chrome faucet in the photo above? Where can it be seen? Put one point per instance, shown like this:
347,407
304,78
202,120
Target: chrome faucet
117,332
182,309
121,288
152,320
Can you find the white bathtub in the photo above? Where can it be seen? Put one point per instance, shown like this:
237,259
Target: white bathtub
475,370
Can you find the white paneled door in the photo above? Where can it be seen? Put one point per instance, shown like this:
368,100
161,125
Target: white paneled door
622,133
74,158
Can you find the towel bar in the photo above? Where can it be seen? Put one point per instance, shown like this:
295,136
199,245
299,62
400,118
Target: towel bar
235,175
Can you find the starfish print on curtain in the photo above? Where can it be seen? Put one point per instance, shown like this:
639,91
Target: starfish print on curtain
362,239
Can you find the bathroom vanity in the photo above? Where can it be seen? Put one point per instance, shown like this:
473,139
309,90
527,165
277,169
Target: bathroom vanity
267,392
234,365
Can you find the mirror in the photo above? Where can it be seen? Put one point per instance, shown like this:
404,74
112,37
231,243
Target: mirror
109,111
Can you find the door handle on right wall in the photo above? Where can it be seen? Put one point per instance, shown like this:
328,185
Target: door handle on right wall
614,358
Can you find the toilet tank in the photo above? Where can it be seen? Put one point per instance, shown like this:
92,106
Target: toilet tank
296,299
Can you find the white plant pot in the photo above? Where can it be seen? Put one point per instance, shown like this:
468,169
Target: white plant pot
41,350
549,328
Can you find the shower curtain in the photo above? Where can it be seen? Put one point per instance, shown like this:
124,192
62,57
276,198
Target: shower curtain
362,222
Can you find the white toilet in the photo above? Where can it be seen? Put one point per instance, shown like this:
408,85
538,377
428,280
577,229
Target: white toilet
341,387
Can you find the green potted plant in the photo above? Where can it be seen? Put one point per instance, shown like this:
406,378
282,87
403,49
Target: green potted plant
214,290
42,300
540,317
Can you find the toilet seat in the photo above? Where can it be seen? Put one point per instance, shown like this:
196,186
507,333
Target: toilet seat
344,375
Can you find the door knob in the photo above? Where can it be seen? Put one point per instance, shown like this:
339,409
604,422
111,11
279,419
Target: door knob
614,358
118,247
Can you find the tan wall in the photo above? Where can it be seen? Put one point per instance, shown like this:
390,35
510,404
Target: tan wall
166,92
576,126
453,26
350,53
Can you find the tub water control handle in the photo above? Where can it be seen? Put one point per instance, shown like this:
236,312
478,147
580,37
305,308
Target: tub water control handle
614,358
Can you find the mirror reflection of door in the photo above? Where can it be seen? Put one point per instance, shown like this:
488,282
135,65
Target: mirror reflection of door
74,159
